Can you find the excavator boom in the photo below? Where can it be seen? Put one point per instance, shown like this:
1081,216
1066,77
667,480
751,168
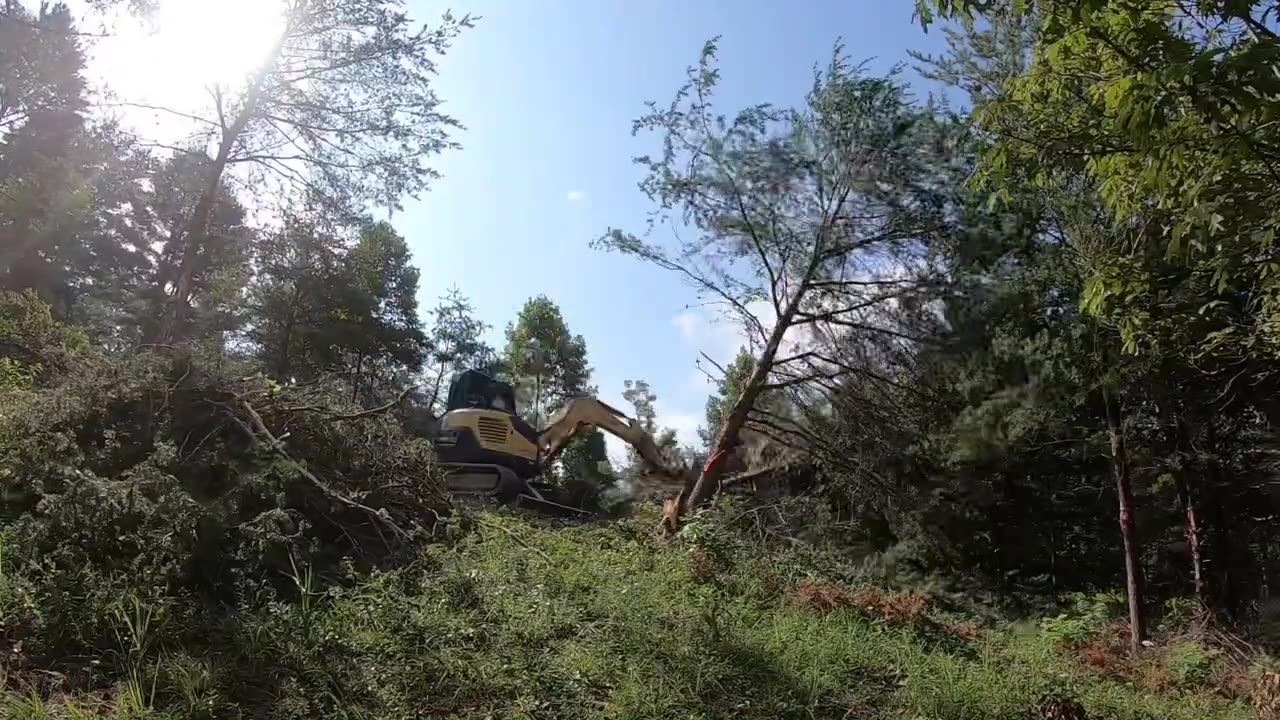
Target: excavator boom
582,413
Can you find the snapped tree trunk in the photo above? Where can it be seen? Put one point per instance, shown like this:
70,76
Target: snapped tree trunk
1192,526
1124,491
1193,531
731,428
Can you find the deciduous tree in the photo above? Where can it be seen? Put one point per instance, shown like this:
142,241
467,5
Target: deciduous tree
803,224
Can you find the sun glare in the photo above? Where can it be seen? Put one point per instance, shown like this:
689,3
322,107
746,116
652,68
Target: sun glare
185,47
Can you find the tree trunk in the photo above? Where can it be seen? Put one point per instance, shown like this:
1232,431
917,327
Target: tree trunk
1124,491
537,398
730,430
284,359
1221,555
191,236
1053,540
355,380
1193,531
1192,527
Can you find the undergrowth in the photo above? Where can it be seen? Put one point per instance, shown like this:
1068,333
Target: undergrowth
522,619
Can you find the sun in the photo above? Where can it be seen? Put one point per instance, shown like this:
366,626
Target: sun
186,48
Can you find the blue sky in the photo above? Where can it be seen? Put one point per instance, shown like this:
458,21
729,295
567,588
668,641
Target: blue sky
547,91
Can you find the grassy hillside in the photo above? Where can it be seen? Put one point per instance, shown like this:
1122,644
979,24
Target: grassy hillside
519,619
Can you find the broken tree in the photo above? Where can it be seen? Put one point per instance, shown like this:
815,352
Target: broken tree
804,225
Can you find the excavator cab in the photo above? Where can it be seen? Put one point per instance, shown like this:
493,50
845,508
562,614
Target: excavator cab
481,427
474,389
488,450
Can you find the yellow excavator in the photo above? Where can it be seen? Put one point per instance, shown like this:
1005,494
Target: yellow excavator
488,450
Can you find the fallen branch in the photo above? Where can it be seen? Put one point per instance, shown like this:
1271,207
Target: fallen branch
752,475
673,507
379,517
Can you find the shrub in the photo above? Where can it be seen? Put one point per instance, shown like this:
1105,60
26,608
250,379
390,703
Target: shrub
172,478
1090,613
32,344
1190,662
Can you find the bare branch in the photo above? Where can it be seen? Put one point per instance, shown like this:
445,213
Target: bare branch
257,430
171,111
723,372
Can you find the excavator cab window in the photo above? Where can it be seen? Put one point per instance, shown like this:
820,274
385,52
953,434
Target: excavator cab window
474,389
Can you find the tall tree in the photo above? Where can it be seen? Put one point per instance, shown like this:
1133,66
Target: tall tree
41,62
728,389
342,109
457,343
547,362
324,301
1166,107
806,224
641,397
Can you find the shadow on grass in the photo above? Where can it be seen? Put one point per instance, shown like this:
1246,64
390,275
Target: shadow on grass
756,686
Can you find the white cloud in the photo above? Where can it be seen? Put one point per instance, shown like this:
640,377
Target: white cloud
576,195
687,323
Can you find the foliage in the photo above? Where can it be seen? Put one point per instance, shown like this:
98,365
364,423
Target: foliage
40,59
33,345
548,364
729,388
162,478
523,618
457,341
217,496
323,303
1164,108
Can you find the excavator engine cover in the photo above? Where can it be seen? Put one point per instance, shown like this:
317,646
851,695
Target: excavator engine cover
488,437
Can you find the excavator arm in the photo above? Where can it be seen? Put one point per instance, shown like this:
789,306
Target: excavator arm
583,413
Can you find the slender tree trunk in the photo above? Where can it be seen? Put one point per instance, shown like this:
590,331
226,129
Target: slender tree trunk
1192,527
1220,555
190,238
355,381
731,428
1193,531
1124,491
537,398
1053,540
283,360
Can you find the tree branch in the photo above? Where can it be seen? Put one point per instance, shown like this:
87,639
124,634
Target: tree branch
257,429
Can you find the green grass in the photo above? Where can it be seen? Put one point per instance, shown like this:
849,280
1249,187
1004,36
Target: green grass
522,620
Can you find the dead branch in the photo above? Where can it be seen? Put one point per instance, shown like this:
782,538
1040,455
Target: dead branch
723,373
489,523
752,475
259,430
